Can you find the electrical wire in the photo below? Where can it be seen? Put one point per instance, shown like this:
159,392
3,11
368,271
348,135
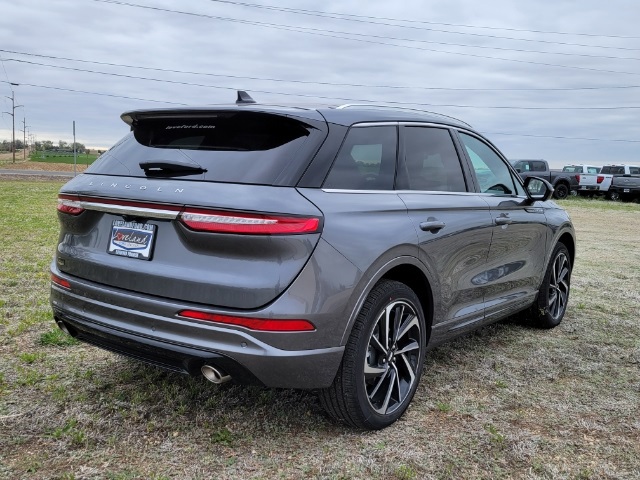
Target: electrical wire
368,19
192,84
407,87
336,34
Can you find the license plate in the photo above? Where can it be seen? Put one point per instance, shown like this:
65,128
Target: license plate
132,239
626,190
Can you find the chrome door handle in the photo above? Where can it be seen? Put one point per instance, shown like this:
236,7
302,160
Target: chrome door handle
503,220
432,226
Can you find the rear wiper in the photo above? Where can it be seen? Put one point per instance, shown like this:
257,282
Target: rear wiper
167,168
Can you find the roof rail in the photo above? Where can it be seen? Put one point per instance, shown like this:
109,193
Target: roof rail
374,105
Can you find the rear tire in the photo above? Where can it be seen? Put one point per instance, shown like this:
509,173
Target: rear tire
615,196
551,305
382,362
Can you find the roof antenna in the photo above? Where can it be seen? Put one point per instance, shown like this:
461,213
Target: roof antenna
244,98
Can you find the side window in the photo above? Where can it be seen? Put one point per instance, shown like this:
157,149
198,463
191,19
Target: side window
492,172
430,161
593,170
366,160
634,170
539,166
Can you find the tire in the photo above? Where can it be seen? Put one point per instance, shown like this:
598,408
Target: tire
615,196
379,374
551,305
561,191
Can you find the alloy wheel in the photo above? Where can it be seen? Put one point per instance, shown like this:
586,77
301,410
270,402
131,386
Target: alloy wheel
392,359
559,286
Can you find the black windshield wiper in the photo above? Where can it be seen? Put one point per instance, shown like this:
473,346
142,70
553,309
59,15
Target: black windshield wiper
166,168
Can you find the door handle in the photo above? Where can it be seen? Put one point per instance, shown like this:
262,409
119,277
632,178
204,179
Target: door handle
432,226
503,219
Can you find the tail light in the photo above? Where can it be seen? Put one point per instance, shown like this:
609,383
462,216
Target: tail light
69,204
247,223
259,324
600,179
578,178
60,282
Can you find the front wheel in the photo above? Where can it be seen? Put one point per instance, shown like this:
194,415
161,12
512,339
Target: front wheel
383,359
553,296
561,191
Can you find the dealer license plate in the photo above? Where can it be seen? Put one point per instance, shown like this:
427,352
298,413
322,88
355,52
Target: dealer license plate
626,190
132,239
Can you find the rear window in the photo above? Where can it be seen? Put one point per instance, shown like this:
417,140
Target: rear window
234,147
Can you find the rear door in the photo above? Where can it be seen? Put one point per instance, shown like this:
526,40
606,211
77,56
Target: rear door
453,224
519,244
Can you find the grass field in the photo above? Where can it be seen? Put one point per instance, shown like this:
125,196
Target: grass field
66,158
506,402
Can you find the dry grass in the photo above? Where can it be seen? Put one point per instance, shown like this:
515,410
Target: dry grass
507,402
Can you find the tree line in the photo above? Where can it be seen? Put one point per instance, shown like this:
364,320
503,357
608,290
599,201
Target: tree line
45,145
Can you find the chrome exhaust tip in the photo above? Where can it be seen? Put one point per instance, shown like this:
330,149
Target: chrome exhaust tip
214,375
63,327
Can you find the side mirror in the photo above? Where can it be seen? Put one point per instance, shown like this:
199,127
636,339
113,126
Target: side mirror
538,189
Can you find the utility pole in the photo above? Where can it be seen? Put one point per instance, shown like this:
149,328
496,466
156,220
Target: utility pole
13,117
24,138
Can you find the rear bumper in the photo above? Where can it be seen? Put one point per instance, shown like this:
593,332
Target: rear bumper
184,345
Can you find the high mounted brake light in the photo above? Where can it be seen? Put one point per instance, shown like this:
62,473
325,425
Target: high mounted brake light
247,223
259,324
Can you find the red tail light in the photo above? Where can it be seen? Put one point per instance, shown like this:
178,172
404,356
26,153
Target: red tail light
600,179
578,178
247,223
60,282
259,324
69,204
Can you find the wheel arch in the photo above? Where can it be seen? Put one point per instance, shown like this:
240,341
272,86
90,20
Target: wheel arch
408,270
568,241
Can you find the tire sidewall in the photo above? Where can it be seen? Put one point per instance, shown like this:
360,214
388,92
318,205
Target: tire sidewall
400,292
544,317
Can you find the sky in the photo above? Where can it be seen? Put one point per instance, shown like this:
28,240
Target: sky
554,80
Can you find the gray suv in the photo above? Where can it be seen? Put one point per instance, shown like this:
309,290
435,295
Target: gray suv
310,248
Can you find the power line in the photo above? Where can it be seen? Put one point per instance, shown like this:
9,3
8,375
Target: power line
335,34
238,77
192,84
562,137
96,93
368,18
182,104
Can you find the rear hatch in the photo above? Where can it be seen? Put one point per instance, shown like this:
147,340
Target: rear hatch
196,206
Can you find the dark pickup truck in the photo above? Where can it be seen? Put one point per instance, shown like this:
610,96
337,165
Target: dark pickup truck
624,187
563,182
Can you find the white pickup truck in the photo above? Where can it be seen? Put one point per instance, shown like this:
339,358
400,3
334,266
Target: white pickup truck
599,183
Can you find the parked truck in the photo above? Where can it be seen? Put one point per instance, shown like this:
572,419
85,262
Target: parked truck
598,184
563,181
625,187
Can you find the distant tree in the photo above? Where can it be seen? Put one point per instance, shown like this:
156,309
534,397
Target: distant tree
80,148
47,144
62,145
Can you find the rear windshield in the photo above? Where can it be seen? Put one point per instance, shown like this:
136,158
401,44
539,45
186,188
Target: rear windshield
234,147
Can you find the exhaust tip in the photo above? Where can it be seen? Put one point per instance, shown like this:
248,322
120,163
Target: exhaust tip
63,327
214,375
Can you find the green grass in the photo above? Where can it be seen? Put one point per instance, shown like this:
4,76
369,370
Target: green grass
508,402
54,157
